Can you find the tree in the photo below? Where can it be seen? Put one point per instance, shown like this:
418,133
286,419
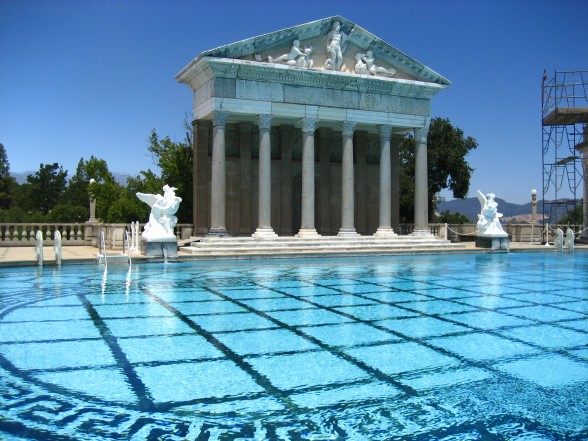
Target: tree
574,217
175,161
106,193
7,182
76,193
47,186
447,149
453,218
128,208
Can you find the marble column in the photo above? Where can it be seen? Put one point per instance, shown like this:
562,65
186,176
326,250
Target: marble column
347,183
245,178
307,228
395,169
385,225
264,229
200,175
583,149
421,184
218,179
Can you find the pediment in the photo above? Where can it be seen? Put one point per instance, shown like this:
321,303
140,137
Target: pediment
321,45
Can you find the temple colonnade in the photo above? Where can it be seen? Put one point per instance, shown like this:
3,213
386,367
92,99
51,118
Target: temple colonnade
210,176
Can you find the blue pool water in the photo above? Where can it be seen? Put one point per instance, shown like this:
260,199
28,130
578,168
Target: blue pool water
449,347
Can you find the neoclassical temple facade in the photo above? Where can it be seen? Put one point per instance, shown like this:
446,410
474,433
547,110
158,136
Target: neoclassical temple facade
296,133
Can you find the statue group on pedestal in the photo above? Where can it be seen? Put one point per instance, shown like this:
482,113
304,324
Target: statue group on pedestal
489,218
162,219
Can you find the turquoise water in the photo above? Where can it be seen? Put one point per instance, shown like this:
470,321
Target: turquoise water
450,347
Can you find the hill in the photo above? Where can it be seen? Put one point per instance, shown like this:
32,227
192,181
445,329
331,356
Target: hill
470,207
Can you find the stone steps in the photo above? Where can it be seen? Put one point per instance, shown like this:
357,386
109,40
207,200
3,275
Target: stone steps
315,245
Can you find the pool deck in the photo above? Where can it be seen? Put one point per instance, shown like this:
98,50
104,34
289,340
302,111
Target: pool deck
25,256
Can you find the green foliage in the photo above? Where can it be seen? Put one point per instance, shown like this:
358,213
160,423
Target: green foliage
128,208
175,161
7,182
447,149
68,213
47,186
14,215
106,193
453,218
76,192
574,217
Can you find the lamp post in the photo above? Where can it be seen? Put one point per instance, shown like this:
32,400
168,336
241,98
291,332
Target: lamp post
92,204
91,227
533,214
534,206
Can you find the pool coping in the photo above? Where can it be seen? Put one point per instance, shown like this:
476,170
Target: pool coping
25,256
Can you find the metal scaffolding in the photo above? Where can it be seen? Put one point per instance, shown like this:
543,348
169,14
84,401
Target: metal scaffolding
564,114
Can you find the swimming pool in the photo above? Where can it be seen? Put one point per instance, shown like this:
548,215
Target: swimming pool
446,347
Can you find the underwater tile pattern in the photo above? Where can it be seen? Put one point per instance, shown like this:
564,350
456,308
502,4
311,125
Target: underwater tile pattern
460,347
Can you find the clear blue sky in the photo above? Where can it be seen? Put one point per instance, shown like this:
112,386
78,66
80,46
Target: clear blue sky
81,78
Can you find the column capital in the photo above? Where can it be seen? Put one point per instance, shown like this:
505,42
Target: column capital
265,121
421,133
219,118
308,125
385,131
348,127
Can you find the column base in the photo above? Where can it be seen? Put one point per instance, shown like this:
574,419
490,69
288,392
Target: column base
264,233
385,232
421,232
218,232
307,232
348,232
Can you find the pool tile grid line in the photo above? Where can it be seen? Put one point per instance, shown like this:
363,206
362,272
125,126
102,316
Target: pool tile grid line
260,379
476,330
375,373
145,400
354,317
383,376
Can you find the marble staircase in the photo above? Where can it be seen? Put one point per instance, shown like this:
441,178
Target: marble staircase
288,245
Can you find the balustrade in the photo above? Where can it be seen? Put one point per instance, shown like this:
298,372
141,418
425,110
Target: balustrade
23,234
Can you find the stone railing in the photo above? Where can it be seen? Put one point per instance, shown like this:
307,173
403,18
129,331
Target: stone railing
23,234
435,229
14,235
530,233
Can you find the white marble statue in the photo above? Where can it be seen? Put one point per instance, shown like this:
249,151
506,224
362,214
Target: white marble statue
296,56
489,218
365,64
336,44
162,219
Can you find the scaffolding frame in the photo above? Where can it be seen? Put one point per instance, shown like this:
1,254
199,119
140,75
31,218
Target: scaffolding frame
564,108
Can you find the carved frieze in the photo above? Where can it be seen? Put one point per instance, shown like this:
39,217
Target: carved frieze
259,91
321,97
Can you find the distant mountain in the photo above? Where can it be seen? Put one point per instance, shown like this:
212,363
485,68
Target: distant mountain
470,207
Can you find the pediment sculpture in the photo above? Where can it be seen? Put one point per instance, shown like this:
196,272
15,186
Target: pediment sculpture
365,64
296,56
335,43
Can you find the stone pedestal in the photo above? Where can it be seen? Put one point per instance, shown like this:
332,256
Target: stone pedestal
493,243
159,248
